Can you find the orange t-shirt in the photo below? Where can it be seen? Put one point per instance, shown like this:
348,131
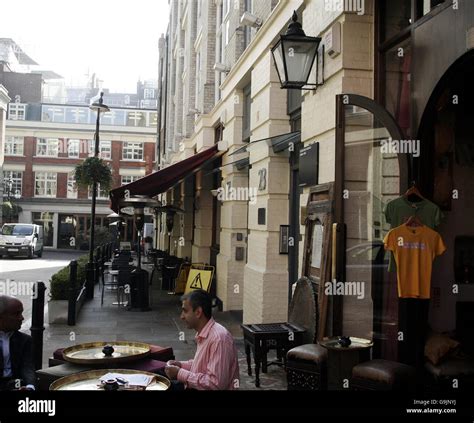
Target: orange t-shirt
414,249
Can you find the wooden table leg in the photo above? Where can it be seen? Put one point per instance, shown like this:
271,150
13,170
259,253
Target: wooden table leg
249,358
257,358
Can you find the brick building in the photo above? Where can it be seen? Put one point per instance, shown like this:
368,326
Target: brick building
43,142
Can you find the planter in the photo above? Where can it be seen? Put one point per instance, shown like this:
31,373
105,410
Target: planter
57,312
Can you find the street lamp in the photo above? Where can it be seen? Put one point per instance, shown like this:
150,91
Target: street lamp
294,56
98,107
139,294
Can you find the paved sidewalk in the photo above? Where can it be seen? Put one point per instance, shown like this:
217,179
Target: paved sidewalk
161,326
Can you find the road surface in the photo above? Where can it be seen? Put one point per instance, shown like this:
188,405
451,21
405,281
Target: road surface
17,276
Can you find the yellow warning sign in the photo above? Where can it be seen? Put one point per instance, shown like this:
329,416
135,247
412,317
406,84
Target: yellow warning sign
199,279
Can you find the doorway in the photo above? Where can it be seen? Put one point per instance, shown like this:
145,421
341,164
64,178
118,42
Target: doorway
367,178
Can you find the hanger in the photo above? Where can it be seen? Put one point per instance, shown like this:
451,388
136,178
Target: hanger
413,194
414,221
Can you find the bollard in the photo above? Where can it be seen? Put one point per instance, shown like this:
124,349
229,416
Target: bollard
37,323
71,309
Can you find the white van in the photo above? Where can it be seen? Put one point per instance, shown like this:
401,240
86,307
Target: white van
18,239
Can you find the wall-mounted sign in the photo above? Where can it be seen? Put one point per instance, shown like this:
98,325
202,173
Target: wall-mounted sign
309,165
284,239
127,210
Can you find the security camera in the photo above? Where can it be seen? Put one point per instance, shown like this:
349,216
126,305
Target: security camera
248,19
220,67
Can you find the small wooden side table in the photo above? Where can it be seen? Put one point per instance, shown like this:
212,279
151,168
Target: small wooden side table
260,338
341,360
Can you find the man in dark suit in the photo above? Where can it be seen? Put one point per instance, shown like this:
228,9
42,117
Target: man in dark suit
17,370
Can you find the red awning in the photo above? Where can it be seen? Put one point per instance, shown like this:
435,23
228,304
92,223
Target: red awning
164,179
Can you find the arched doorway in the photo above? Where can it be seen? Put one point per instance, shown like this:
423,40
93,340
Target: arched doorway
445,174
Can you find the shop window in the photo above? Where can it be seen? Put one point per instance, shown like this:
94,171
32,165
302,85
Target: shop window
14,146
45,184
396,17
397,84
45,219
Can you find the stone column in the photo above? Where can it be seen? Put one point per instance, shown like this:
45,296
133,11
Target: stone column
266,272
234,229
203,218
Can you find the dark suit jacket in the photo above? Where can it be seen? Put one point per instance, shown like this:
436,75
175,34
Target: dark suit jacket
21,355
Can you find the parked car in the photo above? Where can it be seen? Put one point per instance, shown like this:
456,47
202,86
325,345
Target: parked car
21,239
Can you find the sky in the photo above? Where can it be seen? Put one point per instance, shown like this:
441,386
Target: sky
116,39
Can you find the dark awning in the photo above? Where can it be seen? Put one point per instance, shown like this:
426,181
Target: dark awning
164,179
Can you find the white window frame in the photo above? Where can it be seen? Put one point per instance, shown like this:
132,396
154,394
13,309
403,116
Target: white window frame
133,149
128,179
51,147
50,181
17,186
105,149
14,146
71,186
148,93
73,148
17,111
101,194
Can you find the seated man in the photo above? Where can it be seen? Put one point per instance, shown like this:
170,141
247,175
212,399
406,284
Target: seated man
17,370
215,365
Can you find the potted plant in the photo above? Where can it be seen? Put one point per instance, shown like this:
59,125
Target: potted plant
59,291
93,169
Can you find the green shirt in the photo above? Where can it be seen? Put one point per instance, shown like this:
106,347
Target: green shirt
398,211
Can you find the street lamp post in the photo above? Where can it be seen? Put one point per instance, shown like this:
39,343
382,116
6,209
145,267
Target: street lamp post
99,107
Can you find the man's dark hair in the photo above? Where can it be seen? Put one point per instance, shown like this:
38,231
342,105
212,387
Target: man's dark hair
199,298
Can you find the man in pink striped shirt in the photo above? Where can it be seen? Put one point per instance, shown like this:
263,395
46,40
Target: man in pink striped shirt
215,365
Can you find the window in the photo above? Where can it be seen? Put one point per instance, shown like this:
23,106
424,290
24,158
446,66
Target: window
12,182
129,179
423,7
102,194
73,148
71,186
132,151
16,111
149,93
105,149
45,184
14,146
47,147
247,114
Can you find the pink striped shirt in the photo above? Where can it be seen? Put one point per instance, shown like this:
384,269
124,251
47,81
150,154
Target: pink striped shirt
215,365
